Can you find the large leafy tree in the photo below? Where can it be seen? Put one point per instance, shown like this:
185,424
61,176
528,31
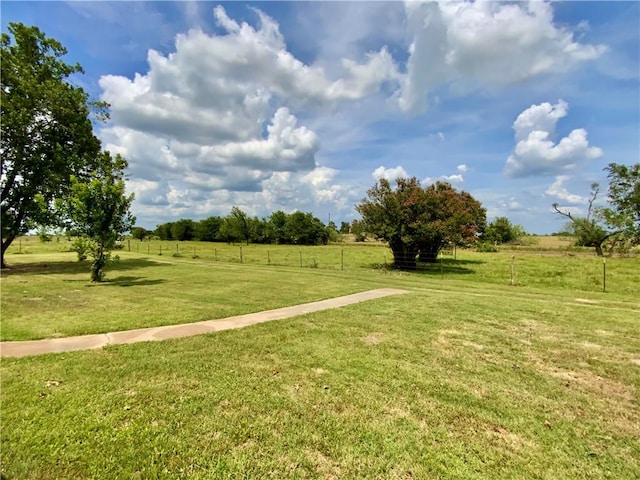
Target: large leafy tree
420,221
587,230
623,213
98,210
238,223
276,227
183,230
46,131
305,229
207,230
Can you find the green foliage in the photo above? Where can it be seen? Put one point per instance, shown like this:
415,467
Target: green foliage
183,230
46,131
297,228
332,232
276,227
623,214
82,246
44,235
238,225
587,231
485,247
420,221
140,233
207,230
163,232
99,209
358,230
305,229
501,230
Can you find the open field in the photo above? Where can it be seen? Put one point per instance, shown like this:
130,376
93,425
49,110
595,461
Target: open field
465,377
47,295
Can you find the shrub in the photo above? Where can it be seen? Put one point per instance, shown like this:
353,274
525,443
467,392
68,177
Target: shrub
82,246
485,247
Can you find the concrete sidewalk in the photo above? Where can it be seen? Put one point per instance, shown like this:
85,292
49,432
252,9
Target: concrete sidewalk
86,342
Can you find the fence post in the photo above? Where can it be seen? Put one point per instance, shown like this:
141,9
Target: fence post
149,248
342,259
268,258
128,245
177,248
215,254
160,249
240,254
20,246
604,274
300,258
513,270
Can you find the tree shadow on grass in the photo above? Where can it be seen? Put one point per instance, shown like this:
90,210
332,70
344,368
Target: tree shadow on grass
127,282
450,267
444,268
71,267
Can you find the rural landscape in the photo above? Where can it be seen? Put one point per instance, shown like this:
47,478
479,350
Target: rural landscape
466,376
427,333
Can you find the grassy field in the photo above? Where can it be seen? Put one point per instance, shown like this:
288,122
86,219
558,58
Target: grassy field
47,294
465,377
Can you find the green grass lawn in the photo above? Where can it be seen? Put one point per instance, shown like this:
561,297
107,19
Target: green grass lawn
465,377
46,294
434,384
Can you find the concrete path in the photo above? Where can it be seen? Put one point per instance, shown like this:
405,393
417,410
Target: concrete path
86,342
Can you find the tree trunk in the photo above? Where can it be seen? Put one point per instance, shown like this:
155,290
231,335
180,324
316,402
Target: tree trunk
598,249
3,248
428,257
404,257
429,253
98,265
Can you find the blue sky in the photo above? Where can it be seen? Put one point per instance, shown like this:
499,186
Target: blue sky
304,105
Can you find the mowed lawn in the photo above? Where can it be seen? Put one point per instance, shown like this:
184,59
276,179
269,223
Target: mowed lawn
48,295
464,377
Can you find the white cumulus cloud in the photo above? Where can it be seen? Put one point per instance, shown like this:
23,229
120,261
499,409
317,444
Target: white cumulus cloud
558,190
390,174
219,113
536,153
484,44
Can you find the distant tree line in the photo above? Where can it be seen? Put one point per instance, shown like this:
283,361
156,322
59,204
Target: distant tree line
297,228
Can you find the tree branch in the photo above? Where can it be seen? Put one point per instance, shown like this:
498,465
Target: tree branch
565,214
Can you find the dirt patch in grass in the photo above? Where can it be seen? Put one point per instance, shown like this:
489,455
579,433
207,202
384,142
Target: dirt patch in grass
323,464
475,346
585,300
447,339
604,333
513,441
372,339
635,361
605,386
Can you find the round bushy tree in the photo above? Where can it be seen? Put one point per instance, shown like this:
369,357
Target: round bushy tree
418,221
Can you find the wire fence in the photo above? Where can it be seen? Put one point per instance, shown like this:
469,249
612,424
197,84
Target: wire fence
566,269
